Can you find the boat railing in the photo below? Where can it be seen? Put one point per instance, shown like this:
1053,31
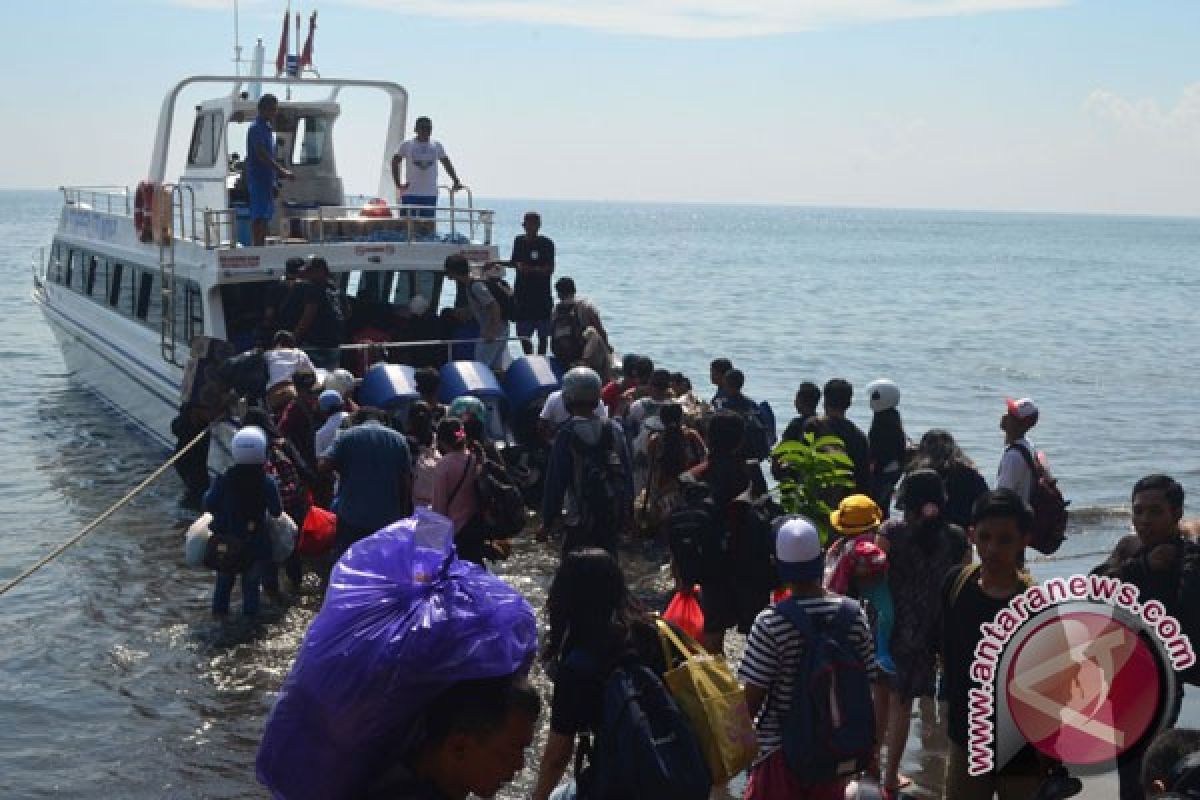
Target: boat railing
375,222
110,199
449,344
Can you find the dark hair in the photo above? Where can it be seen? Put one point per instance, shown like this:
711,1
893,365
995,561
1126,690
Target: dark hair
423,121
456,264
267,101
448,431
368,414
420,423
735,379
838,394
477,707
292,266
1165,484
629,363
261,419
534,216
316,262
283,339
726,429
564,285
672,459
476,432
1164,754
1003,504
427,380
886,438
660,378
589,598
810,393
643,369
720,365
919,487
939,452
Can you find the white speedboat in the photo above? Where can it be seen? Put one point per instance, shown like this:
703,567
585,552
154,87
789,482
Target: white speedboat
141,287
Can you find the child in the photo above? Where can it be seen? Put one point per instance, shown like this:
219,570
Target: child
240,500
772,662
970,597
858,567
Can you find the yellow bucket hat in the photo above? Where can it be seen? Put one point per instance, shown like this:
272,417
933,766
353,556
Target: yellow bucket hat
855,515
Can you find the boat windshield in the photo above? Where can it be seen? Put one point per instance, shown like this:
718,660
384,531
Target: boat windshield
377,303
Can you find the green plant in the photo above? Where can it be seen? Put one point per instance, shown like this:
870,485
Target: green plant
810,470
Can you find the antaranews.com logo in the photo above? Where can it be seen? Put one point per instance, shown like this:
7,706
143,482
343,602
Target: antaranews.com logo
1077,667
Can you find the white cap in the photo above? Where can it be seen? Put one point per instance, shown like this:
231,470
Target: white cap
883,395
249,446
798,550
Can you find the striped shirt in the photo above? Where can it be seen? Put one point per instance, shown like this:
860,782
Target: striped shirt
772,659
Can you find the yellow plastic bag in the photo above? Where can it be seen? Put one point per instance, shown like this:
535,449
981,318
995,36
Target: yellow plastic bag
709,695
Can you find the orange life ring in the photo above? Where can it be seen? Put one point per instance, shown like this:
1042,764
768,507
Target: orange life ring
376,208
143,211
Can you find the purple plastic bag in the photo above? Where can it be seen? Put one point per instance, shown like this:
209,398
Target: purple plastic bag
403,620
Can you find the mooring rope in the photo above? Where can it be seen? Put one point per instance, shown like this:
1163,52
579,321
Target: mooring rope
58,551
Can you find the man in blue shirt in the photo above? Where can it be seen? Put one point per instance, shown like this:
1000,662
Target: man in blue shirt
261,168
374,478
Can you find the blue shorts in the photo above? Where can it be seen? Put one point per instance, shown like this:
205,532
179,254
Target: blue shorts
419,200
262,200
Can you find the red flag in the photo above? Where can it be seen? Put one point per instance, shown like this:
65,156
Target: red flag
281,57
306,54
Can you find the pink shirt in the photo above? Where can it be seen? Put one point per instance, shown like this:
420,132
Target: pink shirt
465,502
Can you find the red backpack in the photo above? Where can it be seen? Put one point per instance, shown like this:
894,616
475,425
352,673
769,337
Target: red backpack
1049,506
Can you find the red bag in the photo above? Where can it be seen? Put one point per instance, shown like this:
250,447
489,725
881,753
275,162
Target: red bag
684,612
316,537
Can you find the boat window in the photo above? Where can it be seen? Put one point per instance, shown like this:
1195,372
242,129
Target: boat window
206,140
242,305
193,311
145,295
96,267
72,257
114,283
309,140
410,284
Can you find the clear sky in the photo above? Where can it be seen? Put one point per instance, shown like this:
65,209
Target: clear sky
1071,105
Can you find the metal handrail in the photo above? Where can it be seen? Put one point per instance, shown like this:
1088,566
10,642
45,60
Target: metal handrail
179,187
470,208
74,195
449,344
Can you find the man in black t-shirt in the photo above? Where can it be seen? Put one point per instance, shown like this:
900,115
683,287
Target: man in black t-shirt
283,304
533,256
838,394
322,324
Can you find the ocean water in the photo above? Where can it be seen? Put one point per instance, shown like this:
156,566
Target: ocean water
114,680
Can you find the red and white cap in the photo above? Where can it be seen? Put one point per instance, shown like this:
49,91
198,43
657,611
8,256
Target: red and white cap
1022,409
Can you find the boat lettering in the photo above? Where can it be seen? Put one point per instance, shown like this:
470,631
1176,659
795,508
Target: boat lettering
476,254
92,224
375,250
238,261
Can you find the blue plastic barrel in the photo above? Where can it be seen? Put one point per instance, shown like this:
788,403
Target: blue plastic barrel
530,379
390,387
477,380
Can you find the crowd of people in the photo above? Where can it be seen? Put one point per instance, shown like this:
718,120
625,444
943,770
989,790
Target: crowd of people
924,549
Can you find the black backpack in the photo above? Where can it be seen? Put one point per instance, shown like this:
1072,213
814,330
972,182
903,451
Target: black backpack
696,534
245,373
566,333
599,482
646,748
754,522
501,506
502,293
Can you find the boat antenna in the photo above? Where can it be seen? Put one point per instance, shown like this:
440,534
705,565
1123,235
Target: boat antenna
237,42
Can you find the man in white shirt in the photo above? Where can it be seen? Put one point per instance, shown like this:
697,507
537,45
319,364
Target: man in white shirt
331,403
283,361
420,157
1015,472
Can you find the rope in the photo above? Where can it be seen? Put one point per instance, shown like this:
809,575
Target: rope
58,551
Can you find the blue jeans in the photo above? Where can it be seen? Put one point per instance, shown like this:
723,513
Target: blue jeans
492,353
251,580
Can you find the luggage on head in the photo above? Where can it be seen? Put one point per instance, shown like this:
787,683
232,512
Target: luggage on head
403,620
